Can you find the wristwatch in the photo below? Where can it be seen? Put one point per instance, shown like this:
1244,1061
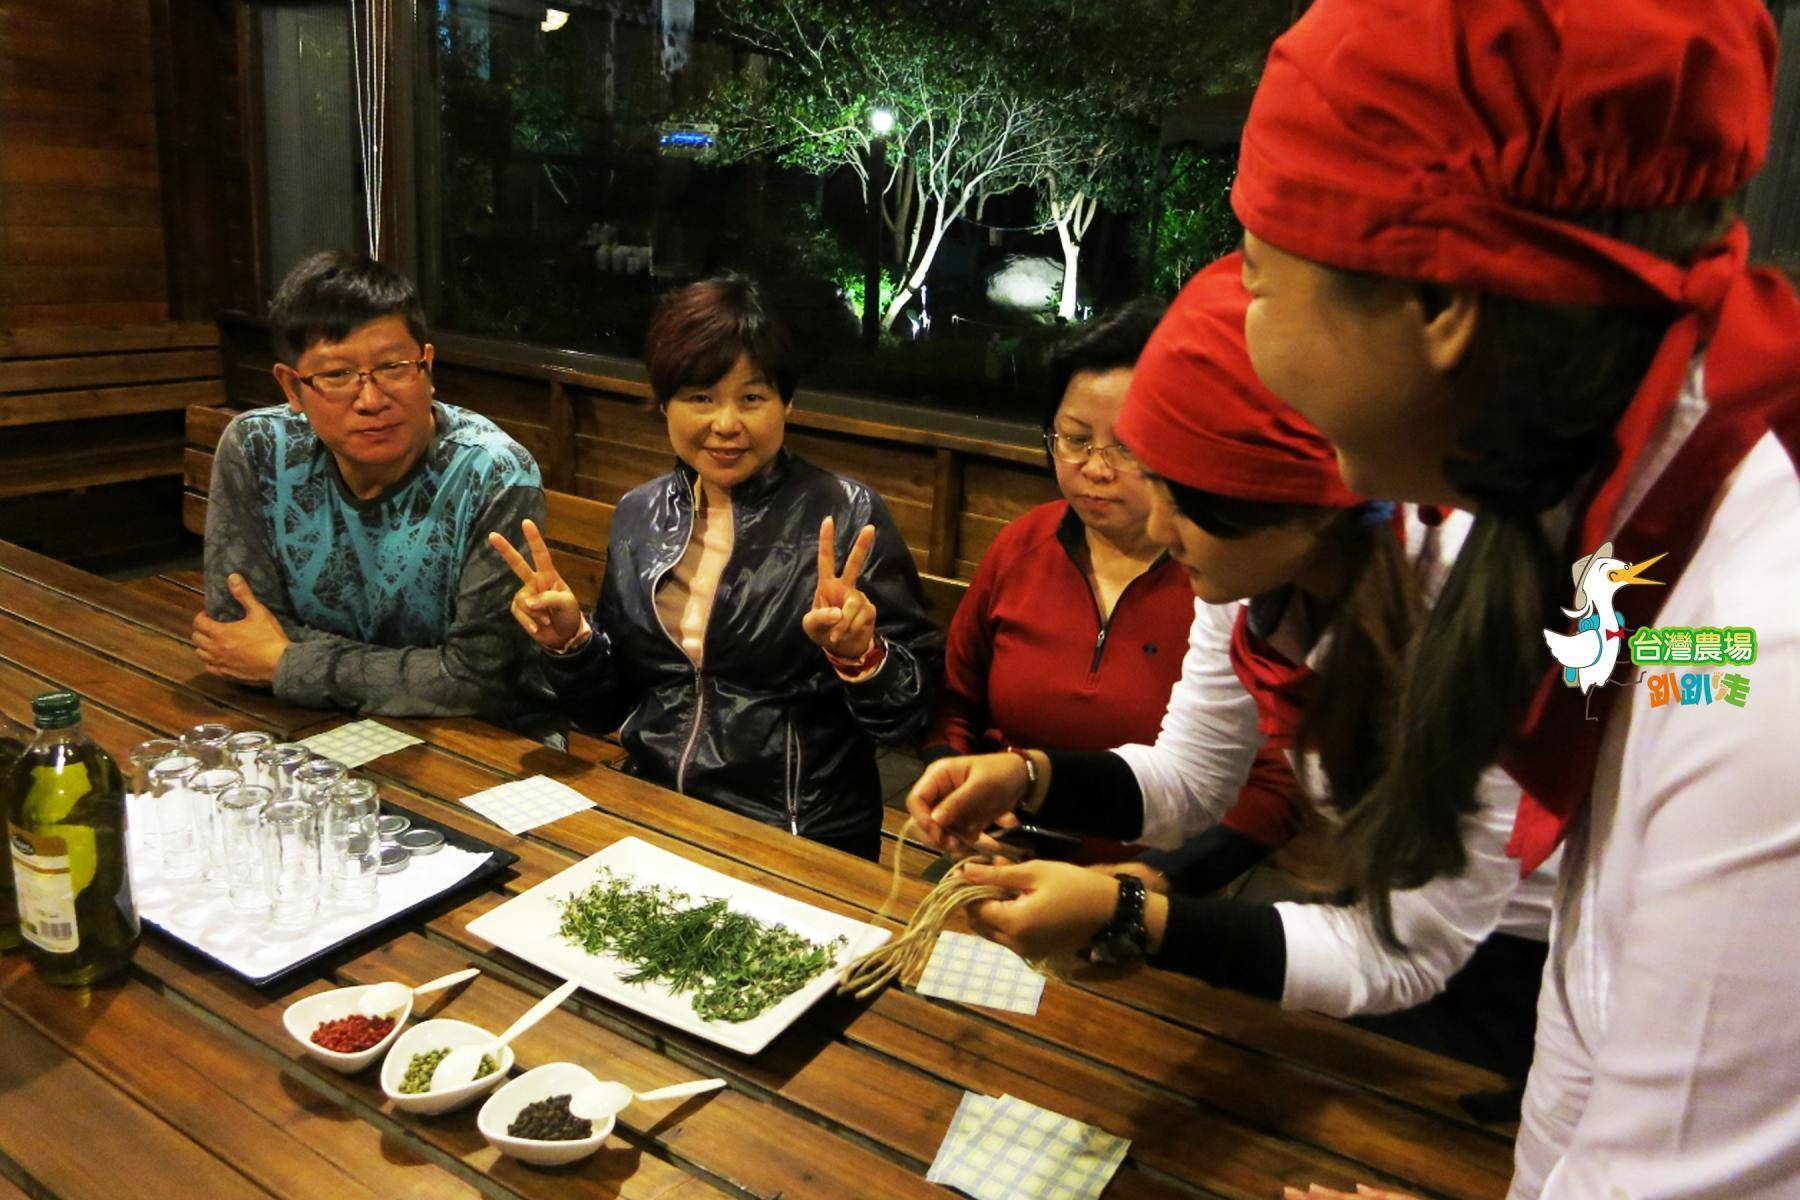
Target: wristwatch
1121,941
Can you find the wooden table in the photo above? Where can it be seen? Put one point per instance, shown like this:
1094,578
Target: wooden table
180,1081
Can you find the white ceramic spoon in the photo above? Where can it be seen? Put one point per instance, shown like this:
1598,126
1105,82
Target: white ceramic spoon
461,1064
605,1100
384,999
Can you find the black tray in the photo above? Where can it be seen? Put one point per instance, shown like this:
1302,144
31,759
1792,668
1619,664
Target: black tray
498,861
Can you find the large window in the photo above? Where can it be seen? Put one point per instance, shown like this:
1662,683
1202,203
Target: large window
309,131
999,168
577,161
549,210
1037,162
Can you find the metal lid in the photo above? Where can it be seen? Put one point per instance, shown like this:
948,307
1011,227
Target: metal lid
422,841
392,826
394,860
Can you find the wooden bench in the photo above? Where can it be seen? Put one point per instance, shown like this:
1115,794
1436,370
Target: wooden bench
91,448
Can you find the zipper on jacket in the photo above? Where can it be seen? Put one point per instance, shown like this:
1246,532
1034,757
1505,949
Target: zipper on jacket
1107,620
1100,644
792,773
1106,625
687,751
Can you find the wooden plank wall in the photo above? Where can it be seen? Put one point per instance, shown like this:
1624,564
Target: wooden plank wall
596,437
81,236
91,433
208,121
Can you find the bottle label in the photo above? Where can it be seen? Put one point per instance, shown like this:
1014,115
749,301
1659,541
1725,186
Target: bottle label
46,889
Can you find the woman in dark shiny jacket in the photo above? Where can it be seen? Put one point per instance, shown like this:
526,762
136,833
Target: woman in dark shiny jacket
760,626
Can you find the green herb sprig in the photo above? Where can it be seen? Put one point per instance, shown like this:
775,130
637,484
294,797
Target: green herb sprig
736,966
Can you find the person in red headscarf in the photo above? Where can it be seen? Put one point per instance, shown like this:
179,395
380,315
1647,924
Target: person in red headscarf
1307,596
1069,636
1493,253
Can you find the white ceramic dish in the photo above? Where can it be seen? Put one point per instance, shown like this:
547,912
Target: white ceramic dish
435,1035
551,1079
526,926
309,1012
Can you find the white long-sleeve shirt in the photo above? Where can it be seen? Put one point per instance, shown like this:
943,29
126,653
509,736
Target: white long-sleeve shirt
1336,962
1668,1053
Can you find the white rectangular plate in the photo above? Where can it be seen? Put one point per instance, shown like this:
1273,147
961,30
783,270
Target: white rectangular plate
527,925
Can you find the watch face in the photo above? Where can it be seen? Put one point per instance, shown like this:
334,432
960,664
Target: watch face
1121,942
1120,950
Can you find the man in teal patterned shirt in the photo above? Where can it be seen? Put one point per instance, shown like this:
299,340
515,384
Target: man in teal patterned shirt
346,561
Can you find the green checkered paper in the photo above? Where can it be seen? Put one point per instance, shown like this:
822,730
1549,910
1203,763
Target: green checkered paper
973,970
358,742
1006,1149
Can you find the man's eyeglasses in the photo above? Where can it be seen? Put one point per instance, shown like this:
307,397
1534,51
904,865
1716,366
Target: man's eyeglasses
347,384
1077,450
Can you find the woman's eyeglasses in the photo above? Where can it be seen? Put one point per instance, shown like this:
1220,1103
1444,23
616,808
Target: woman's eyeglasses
1077,450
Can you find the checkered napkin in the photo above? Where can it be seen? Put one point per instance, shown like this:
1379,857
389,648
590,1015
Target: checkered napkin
358,742
975,971
527,803
1006,1149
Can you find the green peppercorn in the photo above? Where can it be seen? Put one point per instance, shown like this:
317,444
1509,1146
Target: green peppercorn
419,1070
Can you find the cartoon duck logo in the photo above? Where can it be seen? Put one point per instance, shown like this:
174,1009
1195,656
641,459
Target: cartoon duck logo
1589,654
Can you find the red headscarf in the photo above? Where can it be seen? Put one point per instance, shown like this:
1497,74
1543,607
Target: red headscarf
1440,139
1196,413
1447,140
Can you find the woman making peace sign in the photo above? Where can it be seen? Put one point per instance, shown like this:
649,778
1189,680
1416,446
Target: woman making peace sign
738,665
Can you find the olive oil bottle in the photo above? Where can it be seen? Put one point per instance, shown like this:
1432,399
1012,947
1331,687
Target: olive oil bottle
13,737
66,827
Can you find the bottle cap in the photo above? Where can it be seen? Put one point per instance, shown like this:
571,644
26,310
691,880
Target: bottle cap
56,710
422,841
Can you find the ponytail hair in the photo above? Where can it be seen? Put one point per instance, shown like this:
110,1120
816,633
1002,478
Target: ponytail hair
1347,716
1547,383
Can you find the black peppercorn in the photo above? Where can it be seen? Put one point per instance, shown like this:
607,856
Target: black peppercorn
549,1120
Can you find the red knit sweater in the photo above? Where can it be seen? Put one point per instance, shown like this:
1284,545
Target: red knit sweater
1029,662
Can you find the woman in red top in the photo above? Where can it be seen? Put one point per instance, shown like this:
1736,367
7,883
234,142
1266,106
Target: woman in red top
1072,632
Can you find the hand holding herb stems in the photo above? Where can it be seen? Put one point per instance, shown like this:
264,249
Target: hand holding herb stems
1056,908
736,967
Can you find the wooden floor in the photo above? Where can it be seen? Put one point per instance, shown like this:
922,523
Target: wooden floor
181,1081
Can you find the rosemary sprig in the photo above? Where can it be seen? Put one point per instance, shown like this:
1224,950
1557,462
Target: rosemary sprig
735,966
